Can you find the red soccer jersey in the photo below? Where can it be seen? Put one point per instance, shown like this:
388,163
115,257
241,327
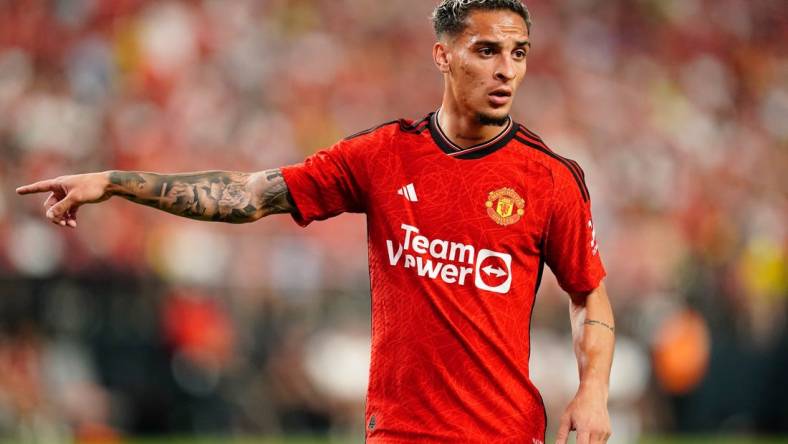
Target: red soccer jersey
457,242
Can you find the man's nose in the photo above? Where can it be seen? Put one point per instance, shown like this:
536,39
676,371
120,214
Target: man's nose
505,70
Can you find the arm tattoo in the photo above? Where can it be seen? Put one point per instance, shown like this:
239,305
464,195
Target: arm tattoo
218,196
593,322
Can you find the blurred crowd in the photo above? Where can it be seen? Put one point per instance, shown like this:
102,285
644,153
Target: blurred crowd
139,322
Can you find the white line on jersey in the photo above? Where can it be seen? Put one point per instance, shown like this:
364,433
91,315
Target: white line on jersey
409,192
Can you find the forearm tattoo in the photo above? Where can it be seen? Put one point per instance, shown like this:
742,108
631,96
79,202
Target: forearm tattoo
218,196
593,322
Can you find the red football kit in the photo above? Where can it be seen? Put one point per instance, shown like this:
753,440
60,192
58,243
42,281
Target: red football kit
458,239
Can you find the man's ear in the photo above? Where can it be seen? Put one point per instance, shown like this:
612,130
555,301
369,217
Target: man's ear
442,57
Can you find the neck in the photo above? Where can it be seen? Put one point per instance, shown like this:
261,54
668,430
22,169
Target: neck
463,129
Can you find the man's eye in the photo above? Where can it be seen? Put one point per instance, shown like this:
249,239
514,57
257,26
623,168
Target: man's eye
486,51
520,54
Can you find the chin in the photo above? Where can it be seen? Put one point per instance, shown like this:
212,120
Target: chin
499,118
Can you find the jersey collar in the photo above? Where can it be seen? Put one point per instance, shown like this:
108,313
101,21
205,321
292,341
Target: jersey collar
473,152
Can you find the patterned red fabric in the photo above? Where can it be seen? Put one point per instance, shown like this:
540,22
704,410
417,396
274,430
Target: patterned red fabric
457,242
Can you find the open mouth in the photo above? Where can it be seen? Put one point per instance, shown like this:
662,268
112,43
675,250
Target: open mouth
501,93
500,97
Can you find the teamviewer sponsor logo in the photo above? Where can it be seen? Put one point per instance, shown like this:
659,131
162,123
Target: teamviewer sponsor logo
493,271
451,262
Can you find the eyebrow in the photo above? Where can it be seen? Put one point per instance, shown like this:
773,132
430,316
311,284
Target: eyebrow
495,44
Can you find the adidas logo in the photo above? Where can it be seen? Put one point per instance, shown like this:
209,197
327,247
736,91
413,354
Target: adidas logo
409,192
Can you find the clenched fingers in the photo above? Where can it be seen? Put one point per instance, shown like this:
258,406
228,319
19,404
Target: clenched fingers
58,213
51,200
71,217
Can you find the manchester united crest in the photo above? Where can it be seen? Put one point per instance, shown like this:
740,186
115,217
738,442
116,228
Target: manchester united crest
505,206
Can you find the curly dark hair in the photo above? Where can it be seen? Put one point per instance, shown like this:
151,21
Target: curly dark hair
449,16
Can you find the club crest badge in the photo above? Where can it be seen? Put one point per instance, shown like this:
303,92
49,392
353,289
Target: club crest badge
505,206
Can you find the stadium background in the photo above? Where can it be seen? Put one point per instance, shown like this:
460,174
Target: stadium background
140,323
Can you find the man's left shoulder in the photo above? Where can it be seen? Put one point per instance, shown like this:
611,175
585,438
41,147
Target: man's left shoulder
563,169
392,128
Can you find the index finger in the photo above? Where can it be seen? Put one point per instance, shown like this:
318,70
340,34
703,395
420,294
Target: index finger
563,430
38,187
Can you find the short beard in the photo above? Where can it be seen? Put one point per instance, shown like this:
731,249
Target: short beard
485,119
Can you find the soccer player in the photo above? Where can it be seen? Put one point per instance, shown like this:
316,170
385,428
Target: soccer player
464,208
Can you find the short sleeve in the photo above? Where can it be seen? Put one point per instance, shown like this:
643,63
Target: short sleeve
571,249
329,182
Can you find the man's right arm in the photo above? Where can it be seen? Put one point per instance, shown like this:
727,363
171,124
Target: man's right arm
219,196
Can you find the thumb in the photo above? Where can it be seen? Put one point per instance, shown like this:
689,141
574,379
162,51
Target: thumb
60,209
563,429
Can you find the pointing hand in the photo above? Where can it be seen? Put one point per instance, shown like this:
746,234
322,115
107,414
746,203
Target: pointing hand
68,193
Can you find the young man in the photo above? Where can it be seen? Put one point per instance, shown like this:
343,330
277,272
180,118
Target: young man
464,208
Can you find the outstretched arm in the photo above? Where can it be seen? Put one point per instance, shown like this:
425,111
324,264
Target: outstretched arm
593,331
219,196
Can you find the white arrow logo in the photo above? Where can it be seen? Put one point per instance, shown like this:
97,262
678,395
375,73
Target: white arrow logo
497,271
494,270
